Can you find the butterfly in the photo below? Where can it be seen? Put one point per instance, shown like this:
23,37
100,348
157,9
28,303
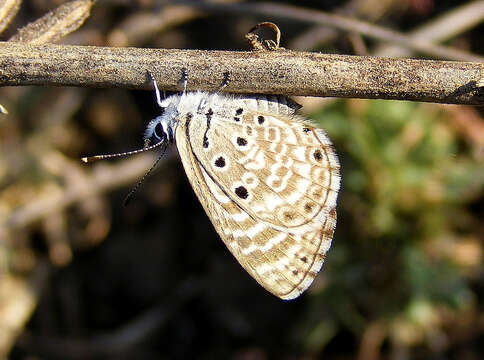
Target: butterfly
267,178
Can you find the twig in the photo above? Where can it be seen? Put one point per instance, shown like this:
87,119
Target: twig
56,24
273,11
8,10
274,72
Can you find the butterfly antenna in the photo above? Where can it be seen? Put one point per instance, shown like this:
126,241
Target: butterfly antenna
131,193
89,159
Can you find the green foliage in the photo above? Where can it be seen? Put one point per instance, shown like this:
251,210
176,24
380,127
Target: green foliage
408,181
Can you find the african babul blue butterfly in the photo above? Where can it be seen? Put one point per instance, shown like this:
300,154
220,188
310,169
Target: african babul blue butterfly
267,178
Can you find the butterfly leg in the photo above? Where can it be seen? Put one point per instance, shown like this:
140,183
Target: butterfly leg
184,80
225,81
155,87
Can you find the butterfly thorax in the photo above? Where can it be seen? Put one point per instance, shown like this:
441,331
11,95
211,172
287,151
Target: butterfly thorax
176,108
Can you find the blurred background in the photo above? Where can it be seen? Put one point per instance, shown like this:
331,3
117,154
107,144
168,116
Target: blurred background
82,276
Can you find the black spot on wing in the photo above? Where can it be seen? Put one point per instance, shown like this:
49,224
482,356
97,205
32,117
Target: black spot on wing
241,141
242,192
220,162
317,155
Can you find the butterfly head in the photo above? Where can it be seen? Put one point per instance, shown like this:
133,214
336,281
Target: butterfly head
161,128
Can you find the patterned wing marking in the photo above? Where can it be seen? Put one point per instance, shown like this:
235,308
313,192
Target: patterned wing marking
283,259
282,262
274,104
258,103
274,179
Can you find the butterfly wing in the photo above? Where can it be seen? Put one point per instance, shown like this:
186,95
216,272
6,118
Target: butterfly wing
268,182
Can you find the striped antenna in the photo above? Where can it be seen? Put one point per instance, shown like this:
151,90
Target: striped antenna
89,159
131,193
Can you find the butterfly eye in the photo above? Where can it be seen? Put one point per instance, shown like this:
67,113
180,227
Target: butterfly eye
158,131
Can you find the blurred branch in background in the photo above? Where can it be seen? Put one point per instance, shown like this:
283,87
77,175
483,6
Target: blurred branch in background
462,18
8,10
142,26
78,186
56,24
20,292
278,11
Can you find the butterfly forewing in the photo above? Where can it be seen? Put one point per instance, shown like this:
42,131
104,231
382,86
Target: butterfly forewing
268,181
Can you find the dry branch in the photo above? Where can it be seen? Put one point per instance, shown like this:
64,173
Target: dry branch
8,10
56,24
271,72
